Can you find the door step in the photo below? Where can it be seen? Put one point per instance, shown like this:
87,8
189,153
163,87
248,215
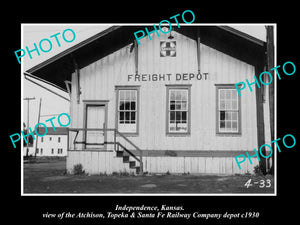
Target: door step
131,164
119,153
126,159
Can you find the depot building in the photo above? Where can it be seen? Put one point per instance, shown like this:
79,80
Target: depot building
166,105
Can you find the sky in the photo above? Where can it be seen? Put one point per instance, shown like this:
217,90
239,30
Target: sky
53,105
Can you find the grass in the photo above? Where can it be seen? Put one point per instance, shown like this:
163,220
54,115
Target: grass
49,176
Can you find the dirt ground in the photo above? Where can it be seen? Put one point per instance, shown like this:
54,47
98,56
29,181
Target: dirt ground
48,176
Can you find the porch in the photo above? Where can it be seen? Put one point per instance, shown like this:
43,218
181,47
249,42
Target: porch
102,151
116,153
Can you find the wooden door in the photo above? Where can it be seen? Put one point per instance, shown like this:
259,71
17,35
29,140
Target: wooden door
95,119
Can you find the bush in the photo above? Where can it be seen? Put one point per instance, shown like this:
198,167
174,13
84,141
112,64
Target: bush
258,170
78,169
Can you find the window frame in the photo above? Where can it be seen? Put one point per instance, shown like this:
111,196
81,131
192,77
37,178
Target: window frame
239,111
178,87
137,110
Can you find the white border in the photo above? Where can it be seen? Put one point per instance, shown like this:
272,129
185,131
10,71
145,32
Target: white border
155,194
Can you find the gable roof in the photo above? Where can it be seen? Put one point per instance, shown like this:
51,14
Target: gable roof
228,40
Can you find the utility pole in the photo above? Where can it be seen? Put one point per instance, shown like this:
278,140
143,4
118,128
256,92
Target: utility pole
37,137
270,64
28,99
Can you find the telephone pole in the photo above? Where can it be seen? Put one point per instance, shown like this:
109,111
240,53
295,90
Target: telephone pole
28,99
270,64
37,137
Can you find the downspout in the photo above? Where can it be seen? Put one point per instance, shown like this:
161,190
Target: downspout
77,78
270,65
136,56
136,62
136,65
198,49
260,119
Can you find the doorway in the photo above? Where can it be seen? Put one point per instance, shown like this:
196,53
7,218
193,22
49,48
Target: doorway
95,118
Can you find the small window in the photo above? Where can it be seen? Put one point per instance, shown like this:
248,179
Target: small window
127,109
50,138
42,139
228,110
178,109
41,151
58,140
59,151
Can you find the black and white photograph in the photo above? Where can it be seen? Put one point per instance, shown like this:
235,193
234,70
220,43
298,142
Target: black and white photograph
167,113
176,120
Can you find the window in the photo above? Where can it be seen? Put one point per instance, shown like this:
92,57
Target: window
127,110
50,138
52,151
178,109
58,139
228,110
42,139
41,151
59,151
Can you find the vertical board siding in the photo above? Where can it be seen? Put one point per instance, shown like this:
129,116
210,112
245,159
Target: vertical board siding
98,81
96,162
196,165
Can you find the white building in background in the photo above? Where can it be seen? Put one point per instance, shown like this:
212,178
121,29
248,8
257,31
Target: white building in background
54,143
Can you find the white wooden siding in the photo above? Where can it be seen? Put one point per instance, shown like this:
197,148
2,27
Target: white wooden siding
98,81
106,162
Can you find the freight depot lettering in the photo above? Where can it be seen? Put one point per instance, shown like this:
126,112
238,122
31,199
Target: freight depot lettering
167,77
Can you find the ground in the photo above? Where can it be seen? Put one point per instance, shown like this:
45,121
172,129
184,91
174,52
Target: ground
49,176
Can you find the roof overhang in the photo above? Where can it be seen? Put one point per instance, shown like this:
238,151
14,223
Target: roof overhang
222,38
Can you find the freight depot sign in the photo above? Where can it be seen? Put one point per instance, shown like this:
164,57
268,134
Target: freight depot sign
167,77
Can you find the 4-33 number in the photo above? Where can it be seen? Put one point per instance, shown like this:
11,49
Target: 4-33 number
261,184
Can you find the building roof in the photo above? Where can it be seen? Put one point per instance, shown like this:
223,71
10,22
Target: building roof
228,40
50,130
